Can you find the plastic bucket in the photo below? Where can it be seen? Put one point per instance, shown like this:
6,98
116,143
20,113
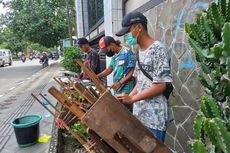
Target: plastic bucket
26,130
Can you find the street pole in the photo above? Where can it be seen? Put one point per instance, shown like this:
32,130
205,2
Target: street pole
69,23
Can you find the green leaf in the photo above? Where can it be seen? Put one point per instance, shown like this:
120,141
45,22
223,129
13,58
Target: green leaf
215,108
197,49
209,34
217,50
217,15
198,147
205,109
223,60
205,68
210,108
226,38
209,133
228,12
228,67
204,82
221,133
213,21
198,126
187,28
212,150
196,34
227,89
223,7
69,60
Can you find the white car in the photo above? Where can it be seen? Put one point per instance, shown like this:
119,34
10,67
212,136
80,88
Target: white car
5,57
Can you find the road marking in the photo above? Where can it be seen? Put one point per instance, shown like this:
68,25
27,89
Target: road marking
11,88
28,78
21,82
1,96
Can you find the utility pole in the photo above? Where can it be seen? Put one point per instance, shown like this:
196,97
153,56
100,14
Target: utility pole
69,22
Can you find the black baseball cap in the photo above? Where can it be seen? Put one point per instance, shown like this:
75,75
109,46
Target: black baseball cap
82,41
130,19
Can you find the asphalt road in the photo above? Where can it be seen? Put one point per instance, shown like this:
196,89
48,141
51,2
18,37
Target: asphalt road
13,76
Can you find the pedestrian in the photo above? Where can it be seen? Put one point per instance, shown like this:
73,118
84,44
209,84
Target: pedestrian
152,72
122,64
91,59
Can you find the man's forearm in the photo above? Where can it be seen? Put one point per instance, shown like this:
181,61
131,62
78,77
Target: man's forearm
127,77
154,90
105,72
134,91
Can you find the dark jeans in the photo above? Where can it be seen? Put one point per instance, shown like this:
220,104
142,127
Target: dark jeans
129,107
159,134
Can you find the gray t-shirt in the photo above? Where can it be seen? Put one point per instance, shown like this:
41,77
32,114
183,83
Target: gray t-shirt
152,112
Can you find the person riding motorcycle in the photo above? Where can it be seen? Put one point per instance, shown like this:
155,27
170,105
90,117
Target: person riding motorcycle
23,57
31,56
44,60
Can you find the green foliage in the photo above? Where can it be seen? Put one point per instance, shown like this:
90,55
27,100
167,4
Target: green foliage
79,130
69,59
210,108
11,41
209,36
198,147
39,21
198,126
43,21
221,134
37,47
34,25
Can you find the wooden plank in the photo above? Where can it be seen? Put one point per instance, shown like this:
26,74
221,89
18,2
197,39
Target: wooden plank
83,91
108,116
50,103
83,141
126,142
42,104
73,107
57,81
94,92
100,143
98,83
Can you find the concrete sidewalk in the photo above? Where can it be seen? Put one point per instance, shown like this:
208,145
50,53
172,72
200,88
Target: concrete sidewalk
25,104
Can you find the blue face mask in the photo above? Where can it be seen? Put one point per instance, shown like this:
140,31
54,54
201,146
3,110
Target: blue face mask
130,40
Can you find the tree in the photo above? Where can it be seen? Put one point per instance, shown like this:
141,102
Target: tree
37,47
11,41
38,21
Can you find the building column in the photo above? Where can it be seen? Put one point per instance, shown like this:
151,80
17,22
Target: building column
81,17
112,21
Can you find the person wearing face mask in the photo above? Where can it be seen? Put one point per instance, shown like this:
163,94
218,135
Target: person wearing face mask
152,73
91,59
122,64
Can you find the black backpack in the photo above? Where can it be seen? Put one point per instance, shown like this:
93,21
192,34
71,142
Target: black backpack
169,86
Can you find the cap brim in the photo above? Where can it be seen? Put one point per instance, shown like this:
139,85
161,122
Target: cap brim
123,31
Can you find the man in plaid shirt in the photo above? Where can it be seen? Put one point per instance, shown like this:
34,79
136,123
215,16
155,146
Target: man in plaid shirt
91,57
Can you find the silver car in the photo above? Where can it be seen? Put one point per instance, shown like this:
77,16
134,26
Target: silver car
5,57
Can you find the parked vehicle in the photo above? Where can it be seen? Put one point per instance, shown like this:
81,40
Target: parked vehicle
5,57
54,55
